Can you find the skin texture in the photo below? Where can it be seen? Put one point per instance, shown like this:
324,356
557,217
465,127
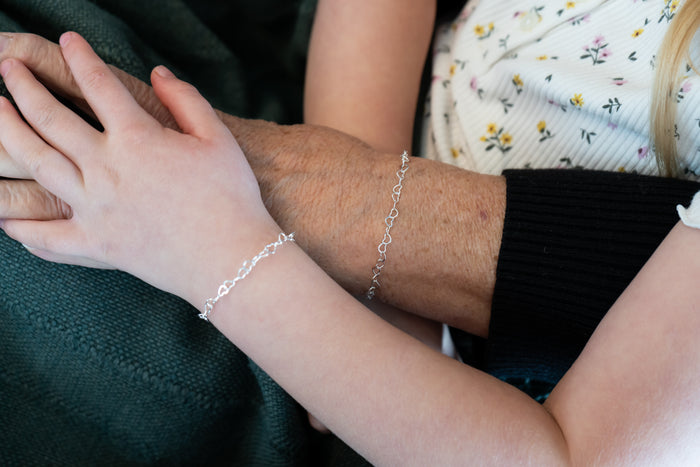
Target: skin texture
306,172
366,84
628,399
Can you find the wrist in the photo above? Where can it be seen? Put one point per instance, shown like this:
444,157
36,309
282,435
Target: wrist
222,258
442,261
335,192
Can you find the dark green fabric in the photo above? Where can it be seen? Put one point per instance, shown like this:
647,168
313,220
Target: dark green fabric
98,368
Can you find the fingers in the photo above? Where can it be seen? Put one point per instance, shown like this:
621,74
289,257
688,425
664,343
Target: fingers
24,199
108,98
45,60
43,163
9,168
50,240
58,238
192,112
58,125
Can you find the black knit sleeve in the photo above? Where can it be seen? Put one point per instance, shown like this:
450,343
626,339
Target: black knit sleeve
572,241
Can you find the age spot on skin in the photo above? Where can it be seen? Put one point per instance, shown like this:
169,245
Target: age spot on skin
484,216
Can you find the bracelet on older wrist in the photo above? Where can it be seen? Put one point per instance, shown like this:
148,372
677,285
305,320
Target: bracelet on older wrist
245,269
389,223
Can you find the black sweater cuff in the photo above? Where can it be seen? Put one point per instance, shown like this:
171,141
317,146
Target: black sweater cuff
572,241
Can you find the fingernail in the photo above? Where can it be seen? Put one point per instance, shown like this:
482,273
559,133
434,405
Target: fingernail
4,40
65,38
5,67
163,72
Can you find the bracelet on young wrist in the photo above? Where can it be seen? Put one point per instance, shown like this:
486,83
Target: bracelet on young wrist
246,268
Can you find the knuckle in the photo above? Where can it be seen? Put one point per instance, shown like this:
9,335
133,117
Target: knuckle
44,116
61,208
34,162
94,77
31,48
187,90
43,204
6,199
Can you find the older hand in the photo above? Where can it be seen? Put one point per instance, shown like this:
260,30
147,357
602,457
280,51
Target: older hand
333,189
44,59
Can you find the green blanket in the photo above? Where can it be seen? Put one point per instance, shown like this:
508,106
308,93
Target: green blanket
98,368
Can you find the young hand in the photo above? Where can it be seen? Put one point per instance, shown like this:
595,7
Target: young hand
165,206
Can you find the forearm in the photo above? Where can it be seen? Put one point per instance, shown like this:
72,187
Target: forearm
442,261
391,398
335,191
632,396
572,242
366,83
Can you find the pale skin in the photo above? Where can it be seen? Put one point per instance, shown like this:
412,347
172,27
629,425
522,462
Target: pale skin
633,397
365,81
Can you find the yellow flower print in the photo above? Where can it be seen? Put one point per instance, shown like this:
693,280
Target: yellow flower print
497,139
637,32
542,57
577,100
452,70
621,169
545,134
570,5
455,152
518,83
669,10
483,32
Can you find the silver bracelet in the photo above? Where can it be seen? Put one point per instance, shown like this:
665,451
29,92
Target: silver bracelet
389,223
245,269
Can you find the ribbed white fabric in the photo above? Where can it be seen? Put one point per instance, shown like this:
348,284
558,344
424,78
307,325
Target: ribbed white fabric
580,70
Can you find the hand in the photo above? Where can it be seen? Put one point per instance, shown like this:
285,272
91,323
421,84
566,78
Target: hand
325,185
304,171
145,199
45,60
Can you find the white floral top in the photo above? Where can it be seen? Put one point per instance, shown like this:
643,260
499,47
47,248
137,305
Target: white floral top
555,83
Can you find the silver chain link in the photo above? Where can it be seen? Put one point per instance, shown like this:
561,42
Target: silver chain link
245,269
389,223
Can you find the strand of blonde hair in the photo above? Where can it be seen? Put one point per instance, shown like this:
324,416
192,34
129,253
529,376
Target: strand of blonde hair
672,57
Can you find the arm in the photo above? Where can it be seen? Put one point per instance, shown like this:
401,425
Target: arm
572,242
637,381
325,171
366,83
390,397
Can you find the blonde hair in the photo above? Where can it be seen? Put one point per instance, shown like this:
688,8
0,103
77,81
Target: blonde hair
672,57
